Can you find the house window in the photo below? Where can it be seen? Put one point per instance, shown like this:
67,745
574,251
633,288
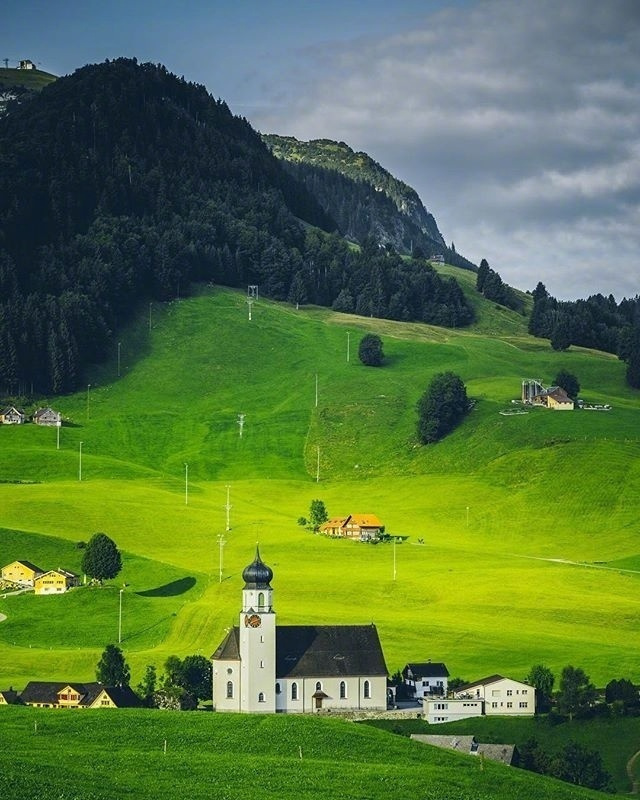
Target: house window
494,704
524,704
278,688
367,690
261,664
509,692
229,690
294,691
525,691
343,690
318,686
261,697
509,705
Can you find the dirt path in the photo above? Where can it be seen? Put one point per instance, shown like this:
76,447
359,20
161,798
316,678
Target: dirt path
589,564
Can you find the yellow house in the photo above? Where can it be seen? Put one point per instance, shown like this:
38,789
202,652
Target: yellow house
23,573
47,694
356,526
55,581
559,400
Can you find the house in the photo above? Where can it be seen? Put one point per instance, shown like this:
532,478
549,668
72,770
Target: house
264,667
558,399
504,753
424,679
56,581
554,397
501,696
25,63
9,697
23,573
10,415
450,709
47,416
365,527
48,694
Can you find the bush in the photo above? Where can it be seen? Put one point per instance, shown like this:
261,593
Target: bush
370,350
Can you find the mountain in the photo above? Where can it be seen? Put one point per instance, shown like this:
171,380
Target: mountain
122,184
364,198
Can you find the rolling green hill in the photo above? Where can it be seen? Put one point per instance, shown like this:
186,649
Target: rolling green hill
528,523
228,757
32,79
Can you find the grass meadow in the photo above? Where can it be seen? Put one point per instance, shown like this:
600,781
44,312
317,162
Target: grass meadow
229,757
520,533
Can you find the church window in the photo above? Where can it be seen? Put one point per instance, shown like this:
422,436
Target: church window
261,599
261,697
318,686
343,690
294,691
367,690
229,689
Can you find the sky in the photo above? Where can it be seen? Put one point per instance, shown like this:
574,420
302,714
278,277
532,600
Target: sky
518,123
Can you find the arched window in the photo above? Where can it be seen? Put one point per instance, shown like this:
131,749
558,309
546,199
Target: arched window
261,697
261,599
278,688
229,689
367,690
294,691
318,686
343,690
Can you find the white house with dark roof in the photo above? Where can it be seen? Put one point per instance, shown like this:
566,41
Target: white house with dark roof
264,667
426,678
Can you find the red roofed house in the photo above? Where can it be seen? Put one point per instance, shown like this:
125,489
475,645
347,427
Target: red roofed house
364,527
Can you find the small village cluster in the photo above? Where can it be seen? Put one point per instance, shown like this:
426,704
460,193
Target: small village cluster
11,415
263,667
23,575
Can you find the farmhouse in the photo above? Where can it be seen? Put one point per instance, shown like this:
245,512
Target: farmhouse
47,694
365,527
23,573
47,416
264,667
490,696
10,415
554,397
56,581
425,679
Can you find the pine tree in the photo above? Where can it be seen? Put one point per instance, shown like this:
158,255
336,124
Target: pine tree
112,669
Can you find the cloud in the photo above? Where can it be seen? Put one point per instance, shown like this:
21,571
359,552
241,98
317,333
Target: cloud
518,125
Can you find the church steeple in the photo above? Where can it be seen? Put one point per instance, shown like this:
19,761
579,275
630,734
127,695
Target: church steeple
257,575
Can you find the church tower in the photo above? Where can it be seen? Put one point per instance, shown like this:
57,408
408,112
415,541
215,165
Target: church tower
258,639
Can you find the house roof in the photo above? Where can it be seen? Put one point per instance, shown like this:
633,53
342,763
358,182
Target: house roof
468,744
64,572
366,520
481,682
10,696
426,669
47,692
334,522
26,564
328,650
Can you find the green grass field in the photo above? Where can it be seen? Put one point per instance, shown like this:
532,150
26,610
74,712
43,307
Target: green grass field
529,523
29,78
228,757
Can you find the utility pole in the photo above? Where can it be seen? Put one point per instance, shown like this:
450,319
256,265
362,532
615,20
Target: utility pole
120,618
241,422
252,296
316,389
228,508
318,465
221,544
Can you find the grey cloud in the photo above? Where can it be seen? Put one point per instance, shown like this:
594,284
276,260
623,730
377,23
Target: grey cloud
518,125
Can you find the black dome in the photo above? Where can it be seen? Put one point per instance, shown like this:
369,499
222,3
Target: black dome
257,575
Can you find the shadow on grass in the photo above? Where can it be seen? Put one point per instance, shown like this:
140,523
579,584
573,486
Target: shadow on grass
170,589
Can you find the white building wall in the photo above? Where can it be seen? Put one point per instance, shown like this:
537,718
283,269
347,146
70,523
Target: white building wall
302,701
505,697
225,672
450,709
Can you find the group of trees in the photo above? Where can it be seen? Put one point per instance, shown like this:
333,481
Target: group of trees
317,516
490,284
442,407
598,322
183,684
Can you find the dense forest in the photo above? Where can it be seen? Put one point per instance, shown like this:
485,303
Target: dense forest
123,183
598,322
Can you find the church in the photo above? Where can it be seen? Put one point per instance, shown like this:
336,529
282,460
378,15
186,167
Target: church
262,667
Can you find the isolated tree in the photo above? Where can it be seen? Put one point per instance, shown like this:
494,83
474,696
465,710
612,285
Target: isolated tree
567,381
576,692
441,407
370,350
112,669
101,559
542,679
317,514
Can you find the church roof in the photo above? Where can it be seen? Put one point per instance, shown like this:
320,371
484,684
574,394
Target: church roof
328,650
257,575
229,647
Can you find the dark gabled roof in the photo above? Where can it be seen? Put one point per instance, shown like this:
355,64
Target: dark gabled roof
10,697
47,692
229,648
426,669
26,564
328,651
481,682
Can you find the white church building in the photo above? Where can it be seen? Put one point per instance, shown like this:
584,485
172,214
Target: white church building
262,667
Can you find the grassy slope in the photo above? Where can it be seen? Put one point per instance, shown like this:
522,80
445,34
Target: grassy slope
29,78
491,502
47,753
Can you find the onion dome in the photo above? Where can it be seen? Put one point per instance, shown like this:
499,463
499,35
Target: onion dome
257,575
